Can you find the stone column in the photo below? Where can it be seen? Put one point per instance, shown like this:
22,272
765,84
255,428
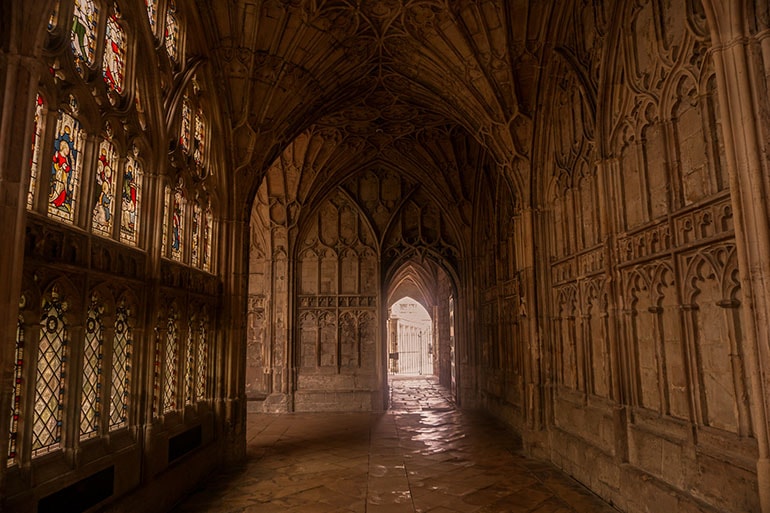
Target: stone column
743,132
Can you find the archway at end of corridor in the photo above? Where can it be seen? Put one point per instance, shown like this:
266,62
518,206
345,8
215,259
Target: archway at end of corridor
420,333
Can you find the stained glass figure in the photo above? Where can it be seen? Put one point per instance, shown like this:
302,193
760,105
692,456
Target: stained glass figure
34,161
114,63
171,34
84,26
121,368
152,13
130,201
177,225
189,368
18,366
65,168
170,371
199,145
203,353
195,235
50,386
90,404
208,223
184,131
106,169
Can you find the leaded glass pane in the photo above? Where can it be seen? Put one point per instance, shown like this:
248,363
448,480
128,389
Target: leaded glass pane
65,168
184,131
177,225
84,26
131,198
90,404
18,365
106,169
49,382
189,367
199,145
34,161
208,223
156,375
152,13
171,35
53,18
170,371
203,354
121,368
195,235
166,219
114,63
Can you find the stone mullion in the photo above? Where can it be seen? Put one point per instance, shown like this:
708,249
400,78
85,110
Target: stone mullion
743,133
731,313
690,335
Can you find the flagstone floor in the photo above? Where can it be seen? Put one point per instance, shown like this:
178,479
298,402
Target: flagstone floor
421,456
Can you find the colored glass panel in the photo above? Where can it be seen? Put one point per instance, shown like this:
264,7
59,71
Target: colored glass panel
171,34
199,144
83,35
121,368
177,225
49,382
152,13
203,354
34,161
90,404
106,170
195,245
170,364
189,368
65,168
208,223
114,63
130,201
184,131
18,365
53,18
166,220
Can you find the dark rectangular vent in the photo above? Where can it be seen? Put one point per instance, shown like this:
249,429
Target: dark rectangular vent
80,496
183,443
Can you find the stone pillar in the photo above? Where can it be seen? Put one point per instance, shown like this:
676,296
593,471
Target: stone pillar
743,131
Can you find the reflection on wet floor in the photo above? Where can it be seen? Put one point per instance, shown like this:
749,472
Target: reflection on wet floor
421,456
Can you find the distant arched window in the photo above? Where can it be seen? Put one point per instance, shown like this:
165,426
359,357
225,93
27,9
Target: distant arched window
202,357
105,178
93,351
170,364
131,199
152,13
171,33
121,367
114,60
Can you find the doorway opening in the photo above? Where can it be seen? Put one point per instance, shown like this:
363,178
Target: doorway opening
410,339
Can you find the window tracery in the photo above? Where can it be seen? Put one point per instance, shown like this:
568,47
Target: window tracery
105,175
131,199
93,350
121,367
171,34
85,21
202,357
114,60
66,167
170,370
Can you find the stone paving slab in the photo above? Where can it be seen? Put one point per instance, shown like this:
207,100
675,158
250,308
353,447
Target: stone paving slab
422,456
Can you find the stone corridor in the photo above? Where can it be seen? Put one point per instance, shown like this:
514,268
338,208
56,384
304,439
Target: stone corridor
421,456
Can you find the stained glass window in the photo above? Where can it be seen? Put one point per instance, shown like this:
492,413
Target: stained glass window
121,368
84,26
34,161
156,383
189,368
200,138
90,404
184,132
130,201
208,223
114,63
170,364
106,170
49,382
203,354
53,18
18,365
152,13
171,35
166,219
177,225
195,235
65,168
